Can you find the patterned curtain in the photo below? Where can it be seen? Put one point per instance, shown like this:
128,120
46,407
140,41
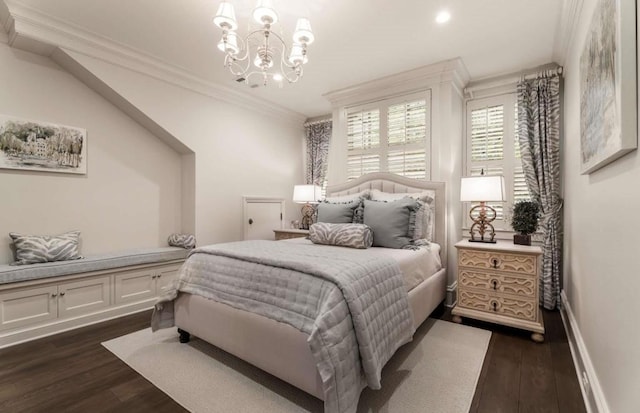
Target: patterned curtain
539,134
318,137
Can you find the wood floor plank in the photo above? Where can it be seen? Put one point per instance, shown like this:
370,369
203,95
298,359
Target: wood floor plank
537,380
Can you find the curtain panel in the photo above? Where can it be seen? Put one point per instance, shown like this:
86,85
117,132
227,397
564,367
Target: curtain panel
318,137
539,136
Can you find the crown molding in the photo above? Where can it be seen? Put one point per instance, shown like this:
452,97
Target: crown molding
31,30
451,71
566,28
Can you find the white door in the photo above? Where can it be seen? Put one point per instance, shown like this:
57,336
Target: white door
262,216
84,296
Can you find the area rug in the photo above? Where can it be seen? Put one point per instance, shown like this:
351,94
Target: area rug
436,372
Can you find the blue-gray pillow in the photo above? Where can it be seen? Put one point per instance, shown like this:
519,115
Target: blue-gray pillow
343,235
390,222
32,249
337,213
186,241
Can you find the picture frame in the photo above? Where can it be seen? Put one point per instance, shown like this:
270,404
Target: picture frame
608,88
32,145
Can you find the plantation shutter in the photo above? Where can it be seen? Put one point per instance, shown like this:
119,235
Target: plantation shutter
363,136
407,136
392,135
520,189
487,145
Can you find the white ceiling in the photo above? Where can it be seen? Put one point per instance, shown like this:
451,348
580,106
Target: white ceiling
356,40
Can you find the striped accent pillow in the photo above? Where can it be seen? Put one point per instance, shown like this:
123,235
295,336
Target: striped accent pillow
186,241
33,249
342,235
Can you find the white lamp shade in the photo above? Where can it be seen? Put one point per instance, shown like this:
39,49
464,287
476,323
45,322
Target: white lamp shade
226,17
296,56
303,33
303,194
265,13
232,44
482,189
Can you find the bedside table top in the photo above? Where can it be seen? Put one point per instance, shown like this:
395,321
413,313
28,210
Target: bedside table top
500,245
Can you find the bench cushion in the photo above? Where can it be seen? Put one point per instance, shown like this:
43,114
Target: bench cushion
12,274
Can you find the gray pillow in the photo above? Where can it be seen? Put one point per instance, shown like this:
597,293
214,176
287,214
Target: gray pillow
337,213
343,235
389,221
32,249
186,241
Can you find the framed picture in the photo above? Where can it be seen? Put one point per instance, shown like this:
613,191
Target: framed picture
40,146
608,90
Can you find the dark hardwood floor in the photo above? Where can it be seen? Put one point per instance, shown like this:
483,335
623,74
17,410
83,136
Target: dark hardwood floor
72,372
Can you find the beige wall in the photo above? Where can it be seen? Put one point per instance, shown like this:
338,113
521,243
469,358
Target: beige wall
130,197
238,151
602,243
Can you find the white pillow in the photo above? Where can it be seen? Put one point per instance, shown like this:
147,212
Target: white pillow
347,199
424,229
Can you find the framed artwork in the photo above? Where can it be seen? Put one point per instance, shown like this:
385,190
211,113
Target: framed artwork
40,146
608,89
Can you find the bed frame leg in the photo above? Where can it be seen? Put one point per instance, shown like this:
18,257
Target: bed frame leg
184,336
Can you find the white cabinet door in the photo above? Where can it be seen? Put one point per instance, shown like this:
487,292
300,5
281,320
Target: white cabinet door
262,216
165,275
28,305
84,296
133,286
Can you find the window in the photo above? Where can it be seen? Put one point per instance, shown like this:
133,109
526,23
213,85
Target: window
392,135
493,149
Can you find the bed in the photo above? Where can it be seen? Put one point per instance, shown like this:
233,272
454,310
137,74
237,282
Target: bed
277,347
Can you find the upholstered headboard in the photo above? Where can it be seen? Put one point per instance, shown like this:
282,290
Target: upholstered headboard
392,183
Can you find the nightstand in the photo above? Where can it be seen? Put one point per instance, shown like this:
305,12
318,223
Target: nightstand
290,233
498,283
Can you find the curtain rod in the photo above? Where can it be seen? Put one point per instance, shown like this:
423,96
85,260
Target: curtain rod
511,79
543,73
317,122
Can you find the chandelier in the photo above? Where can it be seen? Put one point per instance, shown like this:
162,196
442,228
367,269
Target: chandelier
263,53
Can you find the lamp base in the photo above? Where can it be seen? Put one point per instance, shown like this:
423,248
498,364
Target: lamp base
486,241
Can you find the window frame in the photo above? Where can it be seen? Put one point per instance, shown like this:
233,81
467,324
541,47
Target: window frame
509,161
384,149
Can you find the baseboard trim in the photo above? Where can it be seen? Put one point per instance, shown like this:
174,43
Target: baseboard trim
592,394
452,294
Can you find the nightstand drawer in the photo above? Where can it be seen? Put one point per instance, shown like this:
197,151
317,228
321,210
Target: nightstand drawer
520,263
501,283
496,304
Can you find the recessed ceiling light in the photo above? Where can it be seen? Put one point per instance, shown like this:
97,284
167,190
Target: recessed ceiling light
443,16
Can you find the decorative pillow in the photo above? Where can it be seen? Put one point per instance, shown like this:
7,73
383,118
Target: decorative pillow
342,235
186,241
337,213
425,223
390,221
32,249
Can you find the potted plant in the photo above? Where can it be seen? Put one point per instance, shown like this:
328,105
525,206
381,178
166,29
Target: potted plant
525,221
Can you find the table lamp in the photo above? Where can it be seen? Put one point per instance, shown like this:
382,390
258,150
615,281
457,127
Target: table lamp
482,189
307,195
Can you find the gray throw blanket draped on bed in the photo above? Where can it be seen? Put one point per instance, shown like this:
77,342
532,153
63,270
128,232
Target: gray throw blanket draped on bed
353,304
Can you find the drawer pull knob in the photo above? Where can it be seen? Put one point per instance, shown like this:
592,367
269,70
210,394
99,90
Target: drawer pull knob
62,294
54,295
495,284
494,262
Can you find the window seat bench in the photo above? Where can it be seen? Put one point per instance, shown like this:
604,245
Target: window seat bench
37,300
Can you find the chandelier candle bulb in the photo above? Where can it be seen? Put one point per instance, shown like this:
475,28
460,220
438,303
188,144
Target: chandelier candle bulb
263,52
